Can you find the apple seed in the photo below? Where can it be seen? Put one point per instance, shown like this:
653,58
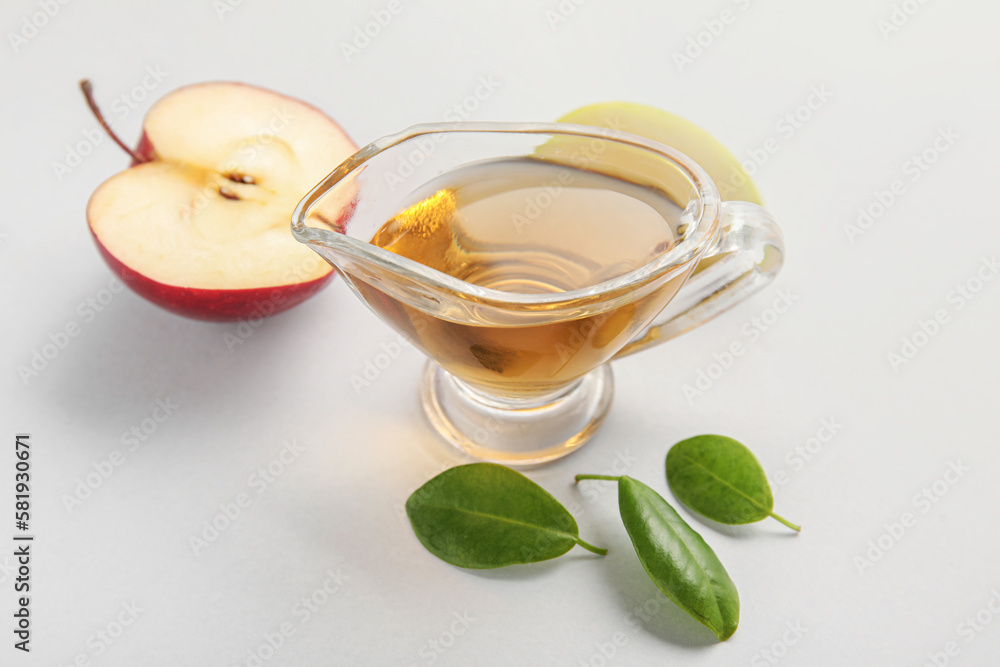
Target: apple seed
228,194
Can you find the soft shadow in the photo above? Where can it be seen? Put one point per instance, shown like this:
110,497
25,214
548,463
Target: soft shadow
766,528
530,571
527,572
134,353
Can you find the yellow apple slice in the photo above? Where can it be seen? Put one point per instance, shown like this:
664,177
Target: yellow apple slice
667,128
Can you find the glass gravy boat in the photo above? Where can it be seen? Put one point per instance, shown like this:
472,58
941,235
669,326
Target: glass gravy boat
518,375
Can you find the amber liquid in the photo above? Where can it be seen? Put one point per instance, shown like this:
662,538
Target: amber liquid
530,227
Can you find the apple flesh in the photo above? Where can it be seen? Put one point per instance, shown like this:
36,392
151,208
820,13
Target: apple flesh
677,132
199,224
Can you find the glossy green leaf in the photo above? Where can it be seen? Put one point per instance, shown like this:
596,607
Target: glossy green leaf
484,515
721,479
678,560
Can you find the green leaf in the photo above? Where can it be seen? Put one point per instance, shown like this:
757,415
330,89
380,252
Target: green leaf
678,560
485,515
721,479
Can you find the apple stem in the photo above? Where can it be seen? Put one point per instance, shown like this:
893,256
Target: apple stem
88,93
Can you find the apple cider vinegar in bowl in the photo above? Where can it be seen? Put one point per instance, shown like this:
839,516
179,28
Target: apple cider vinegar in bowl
527,226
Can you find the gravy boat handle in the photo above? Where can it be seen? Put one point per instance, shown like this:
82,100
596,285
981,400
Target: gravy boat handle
745,258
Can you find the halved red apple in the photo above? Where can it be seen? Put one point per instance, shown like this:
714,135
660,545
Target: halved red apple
199,224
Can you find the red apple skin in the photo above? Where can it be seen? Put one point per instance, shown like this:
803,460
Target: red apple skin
215,305
144,150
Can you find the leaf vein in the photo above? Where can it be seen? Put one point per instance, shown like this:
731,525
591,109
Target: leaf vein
722,481
504,519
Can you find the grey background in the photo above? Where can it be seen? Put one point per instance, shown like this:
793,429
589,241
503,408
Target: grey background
334,511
